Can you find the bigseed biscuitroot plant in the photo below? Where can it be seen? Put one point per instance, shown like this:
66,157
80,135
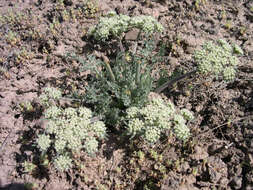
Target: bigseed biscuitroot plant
119,92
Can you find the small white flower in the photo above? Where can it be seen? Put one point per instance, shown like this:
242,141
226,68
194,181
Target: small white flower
52,112
43,142
51,127
84,113
60,145
69,113
229,73
63,163
155,118
152,135
99,129
132,112
218,59
181,131
115,25
91,146
74,143
179,119
135,126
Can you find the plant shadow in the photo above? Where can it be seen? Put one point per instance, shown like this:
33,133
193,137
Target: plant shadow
13,186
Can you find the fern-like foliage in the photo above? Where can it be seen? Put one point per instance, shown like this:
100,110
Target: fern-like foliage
124,82
110,97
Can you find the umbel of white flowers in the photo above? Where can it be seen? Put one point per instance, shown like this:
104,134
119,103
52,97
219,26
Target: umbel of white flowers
218,59
115,25
68,131
156,118
215,59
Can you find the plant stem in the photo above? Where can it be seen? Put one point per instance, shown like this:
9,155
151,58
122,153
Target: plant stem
137,75
136,42
138,66
108,67
171,82
122,49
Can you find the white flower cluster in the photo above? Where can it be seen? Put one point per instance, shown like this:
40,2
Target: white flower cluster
135,126
152,135
132,112
91,145
70,130
60,145
229,73
84,112
49,94
52,112
218,59
147,24
62,162
180,129
71,127
153,120
115,25
99,129
43,142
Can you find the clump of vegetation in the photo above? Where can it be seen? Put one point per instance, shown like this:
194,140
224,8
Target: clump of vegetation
12,38
198,2
122,86
155,119
26,107
68,131
90,8
29,167
219,60
54,27
125,81
13,18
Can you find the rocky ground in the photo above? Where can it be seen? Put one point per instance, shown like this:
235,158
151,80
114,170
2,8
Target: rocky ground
36,36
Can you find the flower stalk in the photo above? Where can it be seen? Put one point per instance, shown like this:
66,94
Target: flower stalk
138,68
108,68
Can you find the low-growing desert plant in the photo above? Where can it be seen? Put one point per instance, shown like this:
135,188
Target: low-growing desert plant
68,131
119,88
89,8
128,81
